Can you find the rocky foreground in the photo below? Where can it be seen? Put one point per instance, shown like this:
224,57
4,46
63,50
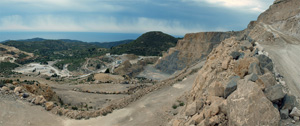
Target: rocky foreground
237,86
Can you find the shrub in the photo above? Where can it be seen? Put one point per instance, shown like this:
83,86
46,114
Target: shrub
74,108
174,106
181,104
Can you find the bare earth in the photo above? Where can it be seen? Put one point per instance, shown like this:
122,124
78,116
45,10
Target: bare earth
150,110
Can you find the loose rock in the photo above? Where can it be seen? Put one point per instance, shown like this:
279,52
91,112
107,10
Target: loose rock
275,93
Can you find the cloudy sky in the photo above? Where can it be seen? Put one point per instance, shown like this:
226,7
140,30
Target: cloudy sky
175,17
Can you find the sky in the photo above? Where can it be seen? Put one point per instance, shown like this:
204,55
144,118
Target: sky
175,17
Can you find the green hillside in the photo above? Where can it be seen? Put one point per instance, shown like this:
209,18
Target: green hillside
111,44
148,44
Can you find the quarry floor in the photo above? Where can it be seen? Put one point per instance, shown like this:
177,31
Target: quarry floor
151,110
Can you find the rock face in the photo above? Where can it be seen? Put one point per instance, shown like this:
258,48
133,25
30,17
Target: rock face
246,106
192,48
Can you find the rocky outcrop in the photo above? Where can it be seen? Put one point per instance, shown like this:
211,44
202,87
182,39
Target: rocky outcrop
191,49
245,106
245,96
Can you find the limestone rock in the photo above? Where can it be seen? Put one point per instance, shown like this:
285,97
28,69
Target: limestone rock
254,68
241,69
252,77
267,80
249,106
231,86
295,112
289,102
235,55
191,109
212,110
18,90
265,62
275,93
216,89
225,63
284,113
49,105
176,122
4,88
39,100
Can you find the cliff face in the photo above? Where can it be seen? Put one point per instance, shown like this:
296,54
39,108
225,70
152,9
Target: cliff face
279,22
191,49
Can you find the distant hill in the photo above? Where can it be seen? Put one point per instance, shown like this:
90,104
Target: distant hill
149,44
111,44
57,49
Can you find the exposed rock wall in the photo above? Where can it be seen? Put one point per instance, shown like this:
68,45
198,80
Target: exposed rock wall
277,24
191,49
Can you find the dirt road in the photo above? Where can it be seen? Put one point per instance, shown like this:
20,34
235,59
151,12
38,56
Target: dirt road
285,56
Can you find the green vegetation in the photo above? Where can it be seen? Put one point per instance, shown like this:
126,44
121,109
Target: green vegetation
109,45
7,67
174,106
72,53
181,104
149,44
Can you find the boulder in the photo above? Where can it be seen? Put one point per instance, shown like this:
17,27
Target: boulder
191,109
211,111
296,118
289,102
295,112
4,88
176,123
275,93
216,89
248,106
39,100
235,55
252,77
49,105
25,95
18,90
242,67
231,86
247,45
284,113
254,68
267,80
265,62
225,63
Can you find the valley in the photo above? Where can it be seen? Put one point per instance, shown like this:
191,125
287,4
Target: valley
234,78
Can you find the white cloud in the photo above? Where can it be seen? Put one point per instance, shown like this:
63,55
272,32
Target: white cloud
245,5
68,5
98,24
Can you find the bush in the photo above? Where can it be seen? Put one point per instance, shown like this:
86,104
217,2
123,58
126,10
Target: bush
181,104
174,106
74,108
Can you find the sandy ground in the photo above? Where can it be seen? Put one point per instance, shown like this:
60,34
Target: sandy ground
287,63
21,113
150,110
